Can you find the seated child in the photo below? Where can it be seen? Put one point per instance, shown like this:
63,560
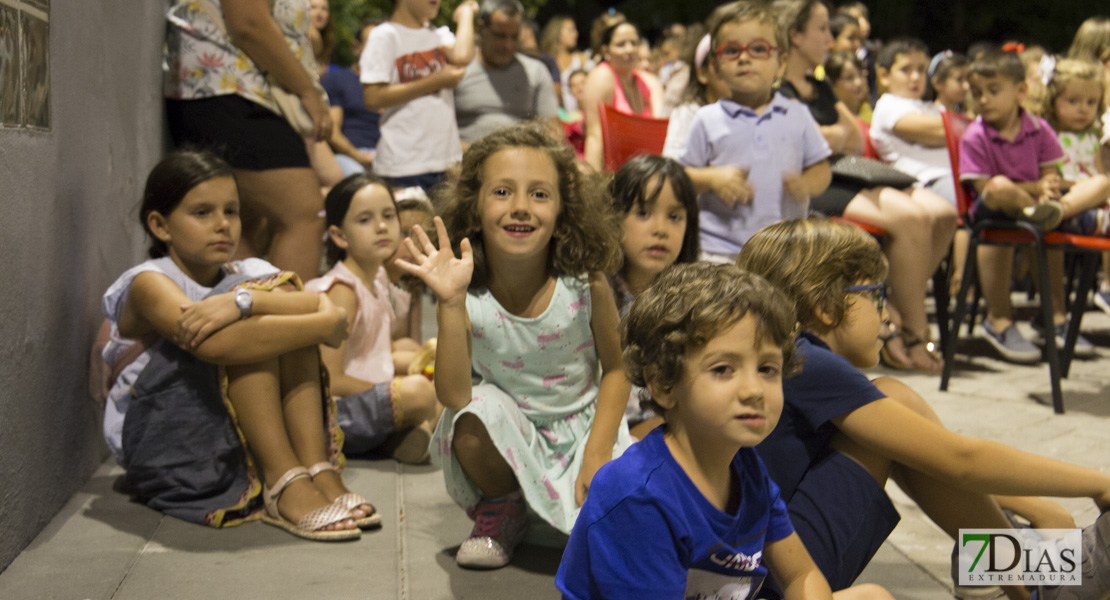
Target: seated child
1010,158
689,512
528,357
947,86
848,77
375,408
907,131
660,229
775,142
228,389
841,436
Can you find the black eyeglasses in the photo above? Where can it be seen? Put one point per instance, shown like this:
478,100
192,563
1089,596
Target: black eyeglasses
877,291
757,49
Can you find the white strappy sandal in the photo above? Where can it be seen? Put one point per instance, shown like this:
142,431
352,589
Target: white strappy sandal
349,501
311,526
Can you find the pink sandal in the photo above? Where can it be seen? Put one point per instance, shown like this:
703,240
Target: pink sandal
311,526
350,500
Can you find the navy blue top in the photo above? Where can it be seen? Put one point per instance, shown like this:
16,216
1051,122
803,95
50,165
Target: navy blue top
360,125
646,531
828,386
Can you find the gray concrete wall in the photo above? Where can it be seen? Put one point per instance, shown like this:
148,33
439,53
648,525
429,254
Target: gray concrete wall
67,229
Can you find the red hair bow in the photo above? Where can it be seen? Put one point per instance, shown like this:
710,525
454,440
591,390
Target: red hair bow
1015,47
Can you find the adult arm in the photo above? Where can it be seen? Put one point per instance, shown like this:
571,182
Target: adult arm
342,145
280,321
844,136
612,395
599,89
894,430
251,28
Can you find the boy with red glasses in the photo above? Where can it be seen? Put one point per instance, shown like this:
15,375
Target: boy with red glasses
774,142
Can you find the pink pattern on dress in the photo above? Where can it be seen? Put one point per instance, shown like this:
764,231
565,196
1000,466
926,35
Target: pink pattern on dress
551,493
511,457
552,380
584,346
519,364
578,304
545,338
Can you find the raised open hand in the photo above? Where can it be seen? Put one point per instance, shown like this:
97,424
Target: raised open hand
444,273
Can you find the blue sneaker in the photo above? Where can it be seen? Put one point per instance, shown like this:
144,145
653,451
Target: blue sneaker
1083,347
1011,345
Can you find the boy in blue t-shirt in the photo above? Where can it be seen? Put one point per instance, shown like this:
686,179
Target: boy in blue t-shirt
690,511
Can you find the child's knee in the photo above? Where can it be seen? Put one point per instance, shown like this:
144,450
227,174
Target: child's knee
418,398
470,434
1001,194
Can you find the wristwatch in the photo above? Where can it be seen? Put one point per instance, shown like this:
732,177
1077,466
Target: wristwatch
244,300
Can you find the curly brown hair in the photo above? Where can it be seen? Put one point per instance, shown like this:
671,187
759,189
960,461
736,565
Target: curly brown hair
812,261
587,231
685,308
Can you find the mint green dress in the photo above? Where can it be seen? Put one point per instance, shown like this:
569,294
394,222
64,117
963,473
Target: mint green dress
536,385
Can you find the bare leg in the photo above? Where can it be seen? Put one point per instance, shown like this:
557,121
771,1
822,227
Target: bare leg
256,393
291,202
1085,195
480,460
866,591
995,265
911,225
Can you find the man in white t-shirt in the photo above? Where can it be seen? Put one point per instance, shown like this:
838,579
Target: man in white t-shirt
408,70
503,87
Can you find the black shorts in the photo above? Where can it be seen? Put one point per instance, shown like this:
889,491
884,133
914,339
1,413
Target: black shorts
833,201
246,134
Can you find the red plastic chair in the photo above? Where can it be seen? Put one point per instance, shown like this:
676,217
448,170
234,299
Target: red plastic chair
868,147
1019,233
624,136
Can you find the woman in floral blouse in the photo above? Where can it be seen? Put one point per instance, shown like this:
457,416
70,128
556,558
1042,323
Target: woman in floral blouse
223,57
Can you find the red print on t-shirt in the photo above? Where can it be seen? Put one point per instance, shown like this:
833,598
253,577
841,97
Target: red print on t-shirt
418,65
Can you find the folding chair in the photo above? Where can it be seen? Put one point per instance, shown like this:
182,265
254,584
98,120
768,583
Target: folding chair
625,136
1020,233
868,147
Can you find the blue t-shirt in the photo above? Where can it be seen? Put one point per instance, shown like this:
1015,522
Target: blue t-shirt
828,386
782,139
645,531
360,125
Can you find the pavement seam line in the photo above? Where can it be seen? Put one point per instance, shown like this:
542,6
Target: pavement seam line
402,557
138,555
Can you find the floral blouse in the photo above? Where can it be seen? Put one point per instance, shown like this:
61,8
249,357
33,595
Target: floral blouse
201,61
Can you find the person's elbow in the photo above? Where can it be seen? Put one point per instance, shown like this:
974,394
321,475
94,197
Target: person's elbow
818,177
373,97
245,26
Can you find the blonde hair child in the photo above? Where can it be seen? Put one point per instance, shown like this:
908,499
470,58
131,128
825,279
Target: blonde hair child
1071,102
524,305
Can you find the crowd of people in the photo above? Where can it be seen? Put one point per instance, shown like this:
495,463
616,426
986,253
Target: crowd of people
663,363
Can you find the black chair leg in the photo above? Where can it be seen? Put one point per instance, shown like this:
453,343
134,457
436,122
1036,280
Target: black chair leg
971,265
1049,330
1088,267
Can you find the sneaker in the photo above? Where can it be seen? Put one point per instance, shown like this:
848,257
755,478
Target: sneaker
1083,347
1046,215
1011,344
499,526
1102,300
1095,566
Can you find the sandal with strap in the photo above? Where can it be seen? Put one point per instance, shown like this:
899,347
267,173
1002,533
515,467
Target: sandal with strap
909,341
311,526
350,500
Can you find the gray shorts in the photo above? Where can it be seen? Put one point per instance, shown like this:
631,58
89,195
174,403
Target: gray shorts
366,418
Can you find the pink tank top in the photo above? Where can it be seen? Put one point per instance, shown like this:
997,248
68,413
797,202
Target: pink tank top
621,103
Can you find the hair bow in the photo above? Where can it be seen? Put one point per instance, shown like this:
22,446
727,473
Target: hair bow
1048,67
702,51
1015,47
